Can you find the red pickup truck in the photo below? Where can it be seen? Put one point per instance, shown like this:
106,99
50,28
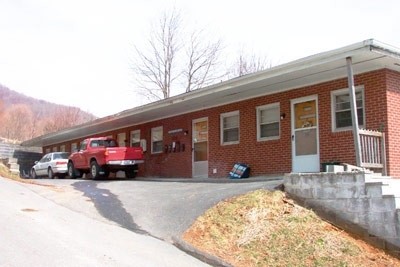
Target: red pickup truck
101,155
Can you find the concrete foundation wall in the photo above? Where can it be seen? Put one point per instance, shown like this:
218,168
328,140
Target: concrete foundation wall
19,159
346,200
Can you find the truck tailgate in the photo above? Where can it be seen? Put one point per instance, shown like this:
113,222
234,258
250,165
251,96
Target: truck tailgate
124,153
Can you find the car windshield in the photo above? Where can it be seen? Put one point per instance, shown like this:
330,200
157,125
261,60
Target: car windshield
61,156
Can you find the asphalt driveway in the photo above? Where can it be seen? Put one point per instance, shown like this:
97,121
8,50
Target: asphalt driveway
163,208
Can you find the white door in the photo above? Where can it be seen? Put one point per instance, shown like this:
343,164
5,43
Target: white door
200,148
305,144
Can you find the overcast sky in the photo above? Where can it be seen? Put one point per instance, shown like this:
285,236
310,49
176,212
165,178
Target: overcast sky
79,52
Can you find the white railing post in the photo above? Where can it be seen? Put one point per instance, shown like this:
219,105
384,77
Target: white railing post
373,150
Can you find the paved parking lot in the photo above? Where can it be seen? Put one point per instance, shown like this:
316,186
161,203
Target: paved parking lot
163,208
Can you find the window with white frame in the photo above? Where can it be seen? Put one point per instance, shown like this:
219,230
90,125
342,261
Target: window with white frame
341,109
135,138
230,128
157,139
268,122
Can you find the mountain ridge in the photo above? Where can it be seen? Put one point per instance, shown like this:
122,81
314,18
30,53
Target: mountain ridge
9,97
23,117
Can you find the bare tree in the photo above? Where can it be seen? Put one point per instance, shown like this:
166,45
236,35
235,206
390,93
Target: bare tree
159,68
63,117
155,67
16,122
203,60
248,63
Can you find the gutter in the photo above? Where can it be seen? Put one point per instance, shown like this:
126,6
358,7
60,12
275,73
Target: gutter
280,70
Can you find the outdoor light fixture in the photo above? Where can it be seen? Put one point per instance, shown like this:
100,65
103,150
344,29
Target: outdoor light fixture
283,115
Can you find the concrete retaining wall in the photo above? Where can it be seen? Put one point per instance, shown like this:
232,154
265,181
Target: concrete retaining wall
346,200
19,159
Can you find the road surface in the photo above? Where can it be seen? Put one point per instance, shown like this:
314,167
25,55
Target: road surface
36,231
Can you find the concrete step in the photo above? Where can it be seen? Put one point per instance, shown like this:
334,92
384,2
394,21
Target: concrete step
12,160
390,186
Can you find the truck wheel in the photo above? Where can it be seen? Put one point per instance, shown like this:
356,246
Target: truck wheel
72,172
50,173
94,169
131,172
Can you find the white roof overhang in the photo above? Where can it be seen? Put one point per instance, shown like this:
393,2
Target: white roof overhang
366,56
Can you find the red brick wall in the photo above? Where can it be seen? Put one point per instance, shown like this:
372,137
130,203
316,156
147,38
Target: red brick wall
274,157
393,125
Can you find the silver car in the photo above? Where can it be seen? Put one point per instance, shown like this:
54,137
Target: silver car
51,165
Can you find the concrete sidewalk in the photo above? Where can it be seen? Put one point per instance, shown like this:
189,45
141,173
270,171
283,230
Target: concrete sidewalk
38,232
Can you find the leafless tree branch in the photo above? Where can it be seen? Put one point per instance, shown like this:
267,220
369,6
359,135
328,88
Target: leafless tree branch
202,60
248,63
170,58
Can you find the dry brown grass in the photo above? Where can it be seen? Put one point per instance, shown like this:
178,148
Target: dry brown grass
6,173
265,228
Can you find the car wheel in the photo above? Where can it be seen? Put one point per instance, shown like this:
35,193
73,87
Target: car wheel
94,169
33,174
50,173
131,173
72,172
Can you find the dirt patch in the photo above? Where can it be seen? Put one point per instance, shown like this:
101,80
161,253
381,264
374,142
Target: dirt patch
29,210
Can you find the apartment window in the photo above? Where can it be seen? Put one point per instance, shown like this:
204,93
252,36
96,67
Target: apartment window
341,110
74,147
157,139
230,128
121,139
62,148
135,138
268,122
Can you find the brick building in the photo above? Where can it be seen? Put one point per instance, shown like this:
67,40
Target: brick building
290,118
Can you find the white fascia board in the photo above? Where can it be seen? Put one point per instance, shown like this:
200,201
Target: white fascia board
369,45
283,69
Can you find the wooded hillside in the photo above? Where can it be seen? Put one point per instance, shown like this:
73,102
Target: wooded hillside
23,117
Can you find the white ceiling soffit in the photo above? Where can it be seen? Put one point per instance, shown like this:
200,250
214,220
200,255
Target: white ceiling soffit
366,56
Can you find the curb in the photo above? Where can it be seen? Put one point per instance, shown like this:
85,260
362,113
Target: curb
204,257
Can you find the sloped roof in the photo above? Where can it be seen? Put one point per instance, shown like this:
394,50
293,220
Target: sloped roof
366,56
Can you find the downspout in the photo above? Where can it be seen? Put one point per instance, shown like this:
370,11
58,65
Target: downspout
353,106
